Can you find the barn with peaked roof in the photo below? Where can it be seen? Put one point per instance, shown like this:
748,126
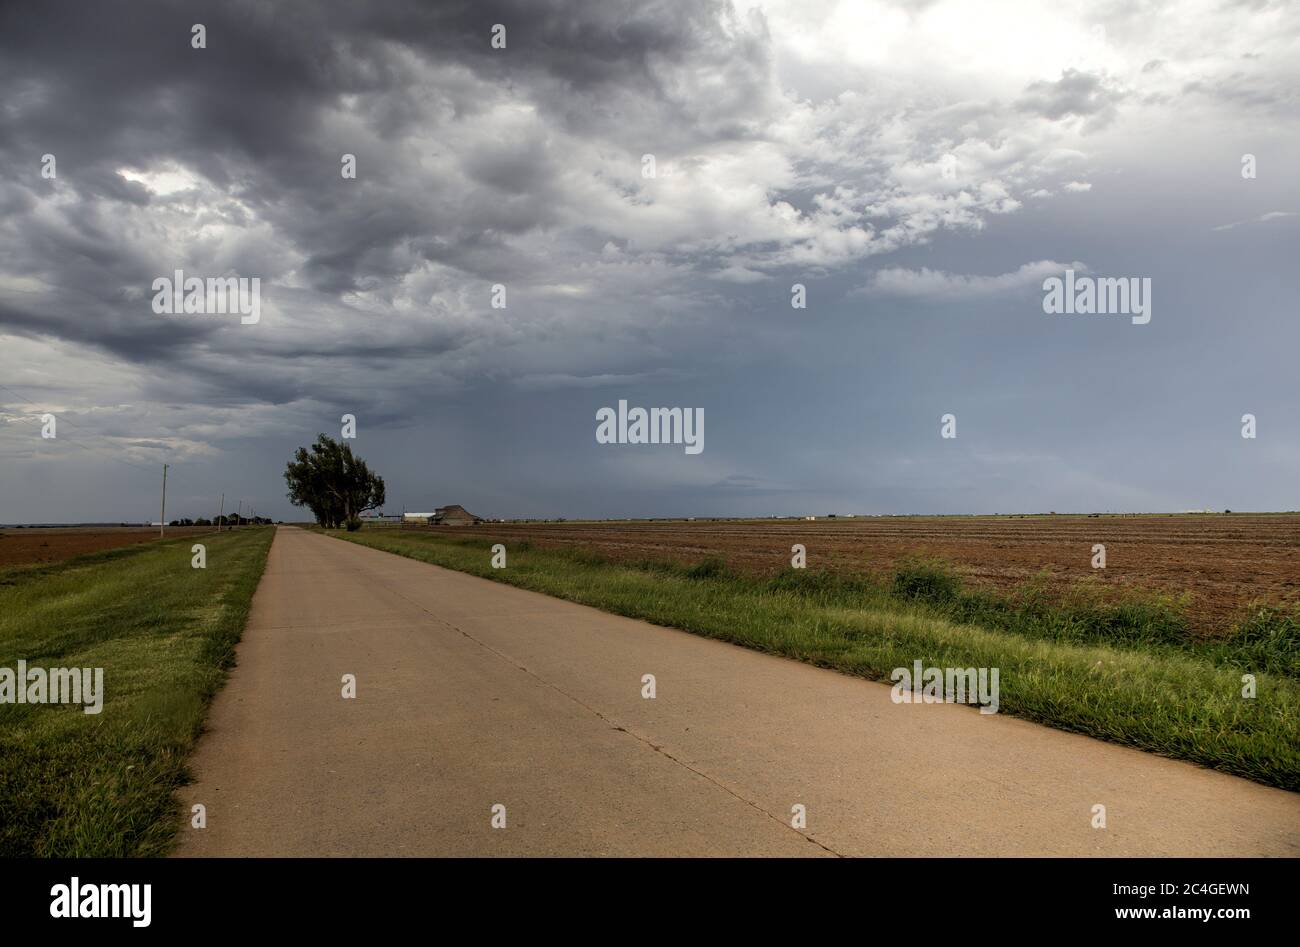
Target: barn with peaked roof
453,515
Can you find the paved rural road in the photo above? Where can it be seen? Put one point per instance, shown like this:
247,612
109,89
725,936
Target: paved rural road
471,694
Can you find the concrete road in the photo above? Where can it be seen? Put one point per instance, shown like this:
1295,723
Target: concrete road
472,694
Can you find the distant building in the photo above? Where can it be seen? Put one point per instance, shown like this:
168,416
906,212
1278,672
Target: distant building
453,515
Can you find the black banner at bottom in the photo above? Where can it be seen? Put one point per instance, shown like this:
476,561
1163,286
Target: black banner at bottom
148,897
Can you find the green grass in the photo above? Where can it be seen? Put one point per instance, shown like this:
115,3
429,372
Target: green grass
1265,638
80,785
1125,670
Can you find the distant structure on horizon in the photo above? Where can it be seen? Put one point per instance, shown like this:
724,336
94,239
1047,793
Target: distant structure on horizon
453,515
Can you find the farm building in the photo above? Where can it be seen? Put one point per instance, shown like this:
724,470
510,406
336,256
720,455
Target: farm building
453,515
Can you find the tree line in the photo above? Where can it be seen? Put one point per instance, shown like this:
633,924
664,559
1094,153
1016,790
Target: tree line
233,519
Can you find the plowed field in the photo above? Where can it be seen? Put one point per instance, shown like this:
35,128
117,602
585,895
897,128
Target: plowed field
1223,561
28,546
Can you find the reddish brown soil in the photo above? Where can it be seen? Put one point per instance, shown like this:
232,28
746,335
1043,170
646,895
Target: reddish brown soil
21,547
1223,561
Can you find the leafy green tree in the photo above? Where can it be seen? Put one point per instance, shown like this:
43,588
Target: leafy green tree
336,486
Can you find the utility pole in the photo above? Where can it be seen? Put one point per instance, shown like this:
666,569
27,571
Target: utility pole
162,517
221,517
237,515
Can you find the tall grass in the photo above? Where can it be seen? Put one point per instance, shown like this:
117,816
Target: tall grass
79,785
1121,670
1266,637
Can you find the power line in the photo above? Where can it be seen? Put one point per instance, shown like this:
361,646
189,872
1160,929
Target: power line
69,440
37,404
100,453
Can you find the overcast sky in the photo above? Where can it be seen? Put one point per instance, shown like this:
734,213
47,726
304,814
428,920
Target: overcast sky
919,167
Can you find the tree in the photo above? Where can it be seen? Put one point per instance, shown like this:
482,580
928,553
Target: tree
336,486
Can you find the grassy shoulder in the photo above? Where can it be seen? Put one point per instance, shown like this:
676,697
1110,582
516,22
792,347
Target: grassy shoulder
74,784
1123,671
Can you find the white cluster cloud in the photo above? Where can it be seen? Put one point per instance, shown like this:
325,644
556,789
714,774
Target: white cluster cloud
935,284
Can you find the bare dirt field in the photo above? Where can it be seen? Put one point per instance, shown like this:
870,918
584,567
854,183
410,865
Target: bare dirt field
1223,561
31,546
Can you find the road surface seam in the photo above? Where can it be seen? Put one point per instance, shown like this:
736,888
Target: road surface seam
592,710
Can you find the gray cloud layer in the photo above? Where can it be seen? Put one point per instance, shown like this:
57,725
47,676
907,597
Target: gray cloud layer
915,169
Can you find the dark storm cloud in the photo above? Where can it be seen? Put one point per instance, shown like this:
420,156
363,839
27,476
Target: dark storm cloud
121,77
110,85
855,166
1075,95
